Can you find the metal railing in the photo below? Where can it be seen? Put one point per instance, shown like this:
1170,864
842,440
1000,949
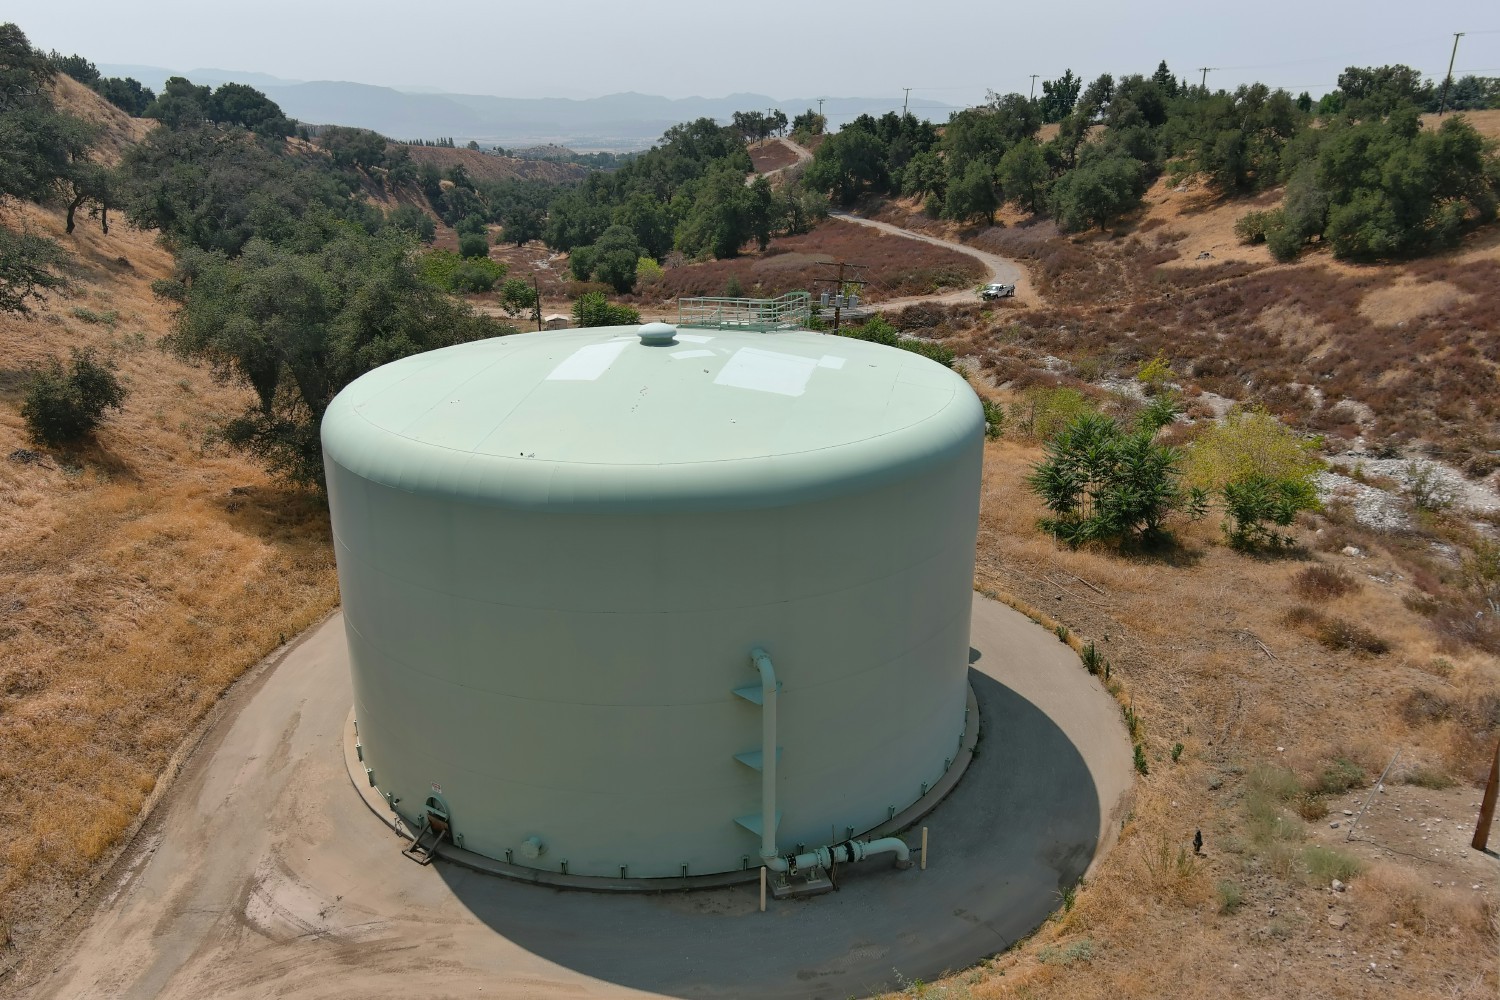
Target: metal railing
789,312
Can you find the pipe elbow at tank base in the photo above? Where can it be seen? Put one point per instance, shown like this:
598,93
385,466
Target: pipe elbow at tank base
843,853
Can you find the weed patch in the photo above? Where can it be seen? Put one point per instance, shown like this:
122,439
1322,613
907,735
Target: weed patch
1324,583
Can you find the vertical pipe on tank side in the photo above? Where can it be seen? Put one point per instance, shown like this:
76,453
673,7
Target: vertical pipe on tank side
767,752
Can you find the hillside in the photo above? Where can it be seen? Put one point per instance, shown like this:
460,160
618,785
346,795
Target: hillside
139,575
488,168
142,574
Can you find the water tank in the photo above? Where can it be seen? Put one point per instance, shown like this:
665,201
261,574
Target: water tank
557,551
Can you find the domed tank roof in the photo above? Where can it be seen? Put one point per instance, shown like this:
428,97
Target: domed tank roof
650,416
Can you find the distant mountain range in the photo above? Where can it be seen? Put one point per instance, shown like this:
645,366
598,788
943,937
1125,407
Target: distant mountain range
615,122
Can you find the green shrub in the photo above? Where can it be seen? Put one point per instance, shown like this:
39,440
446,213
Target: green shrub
1338,777
1252,226
1092,661
593,309
1426,777
1327,863
581,262
453,273
1102,482
1256,505
1043,412
473,245
1140,760
1230,896
878,330
106,318
1285,243
647,270
1081,950
517,296
64,405
470,225
994,419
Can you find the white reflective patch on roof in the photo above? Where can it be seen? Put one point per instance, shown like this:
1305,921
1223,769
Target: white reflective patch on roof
682,355
767,371
588,362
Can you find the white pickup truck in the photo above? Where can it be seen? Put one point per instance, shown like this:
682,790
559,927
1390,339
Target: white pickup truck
997,290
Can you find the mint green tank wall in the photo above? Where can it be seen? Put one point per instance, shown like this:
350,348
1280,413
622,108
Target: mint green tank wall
557,550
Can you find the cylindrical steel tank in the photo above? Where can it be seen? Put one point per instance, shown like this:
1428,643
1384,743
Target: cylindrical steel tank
557,551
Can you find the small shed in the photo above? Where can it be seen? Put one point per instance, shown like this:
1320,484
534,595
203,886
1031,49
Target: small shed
557,321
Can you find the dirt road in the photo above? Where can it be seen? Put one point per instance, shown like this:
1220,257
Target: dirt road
263,873
1001,268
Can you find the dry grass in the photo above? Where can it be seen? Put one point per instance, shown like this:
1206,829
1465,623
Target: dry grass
487,167
139,576
771,154
893,267
1323,583
1267,743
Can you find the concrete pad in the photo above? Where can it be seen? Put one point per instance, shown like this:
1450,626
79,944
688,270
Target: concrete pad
264,873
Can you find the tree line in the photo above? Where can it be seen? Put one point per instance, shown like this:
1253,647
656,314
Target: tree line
288,279
1359,170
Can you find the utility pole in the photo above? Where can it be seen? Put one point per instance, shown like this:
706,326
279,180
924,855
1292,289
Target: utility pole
538,307
839,283
820,107
1443,104
907,100
1487,806
1205,70
1033,85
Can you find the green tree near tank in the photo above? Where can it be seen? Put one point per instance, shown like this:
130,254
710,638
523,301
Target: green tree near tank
808,124
359,148
717,214
181,103
1104,482
211,189
63,405
1059,96
516,297
296,325
28,269
238,104
127,94
415,221
1104,186
615,257
1396,190
1371,92
925,174
473,245
848,164
974,196
1024,174
649,221
40,149
523,223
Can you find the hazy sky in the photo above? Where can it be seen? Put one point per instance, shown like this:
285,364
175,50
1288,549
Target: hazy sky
944,50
